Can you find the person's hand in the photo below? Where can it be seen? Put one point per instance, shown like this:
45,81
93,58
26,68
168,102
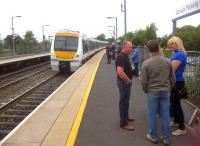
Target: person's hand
129,82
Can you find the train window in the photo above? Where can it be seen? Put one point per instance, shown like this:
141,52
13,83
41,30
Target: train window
85,46
59,43
66,43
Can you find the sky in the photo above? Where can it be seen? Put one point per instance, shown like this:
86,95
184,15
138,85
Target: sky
90,16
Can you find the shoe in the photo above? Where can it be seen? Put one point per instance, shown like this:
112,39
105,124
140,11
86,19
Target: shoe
128,127
166,143
148,136
131,119
172,124
178,132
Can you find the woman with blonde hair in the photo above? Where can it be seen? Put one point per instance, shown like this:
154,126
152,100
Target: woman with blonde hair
178,61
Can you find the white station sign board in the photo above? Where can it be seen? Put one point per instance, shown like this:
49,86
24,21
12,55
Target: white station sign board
188,8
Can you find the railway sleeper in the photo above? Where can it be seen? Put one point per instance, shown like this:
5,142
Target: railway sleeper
17,112
8,126
24,107
11,118
26,102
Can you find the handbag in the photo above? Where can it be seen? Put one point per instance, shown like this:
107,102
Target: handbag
182,93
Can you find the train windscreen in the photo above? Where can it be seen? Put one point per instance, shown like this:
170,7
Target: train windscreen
65,43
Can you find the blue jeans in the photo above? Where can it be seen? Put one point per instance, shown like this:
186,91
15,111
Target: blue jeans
159,102
124,97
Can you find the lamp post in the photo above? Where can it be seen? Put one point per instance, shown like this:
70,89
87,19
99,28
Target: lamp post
13,34
123,9
113,33
113,29
115,24
43,36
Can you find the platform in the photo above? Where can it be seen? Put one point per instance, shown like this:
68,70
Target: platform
23,58
83,111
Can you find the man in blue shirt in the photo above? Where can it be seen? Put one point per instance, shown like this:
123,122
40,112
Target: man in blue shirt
135,59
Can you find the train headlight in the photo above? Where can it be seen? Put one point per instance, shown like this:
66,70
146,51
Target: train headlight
76,57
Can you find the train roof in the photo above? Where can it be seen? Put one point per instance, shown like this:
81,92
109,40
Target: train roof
67,32
72,33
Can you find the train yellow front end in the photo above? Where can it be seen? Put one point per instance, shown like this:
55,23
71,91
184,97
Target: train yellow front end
69,50
64,51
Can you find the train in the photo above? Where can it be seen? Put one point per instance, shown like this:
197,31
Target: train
70,49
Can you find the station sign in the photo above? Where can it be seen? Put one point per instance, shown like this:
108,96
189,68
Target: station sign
188,8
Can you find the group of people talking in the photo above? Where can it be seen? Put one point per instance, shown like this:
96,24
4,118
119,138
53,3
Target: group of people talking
161,80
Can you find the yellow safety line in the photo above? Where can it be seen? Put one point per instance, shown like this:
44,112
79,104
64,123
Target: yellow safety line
73,133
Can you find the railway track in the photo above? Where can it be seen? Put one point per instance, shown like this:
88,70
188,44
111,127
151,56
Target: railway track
19,107
16,76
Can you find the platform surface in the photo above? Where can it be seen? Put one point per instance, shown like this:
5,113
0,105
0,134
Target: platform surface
52,124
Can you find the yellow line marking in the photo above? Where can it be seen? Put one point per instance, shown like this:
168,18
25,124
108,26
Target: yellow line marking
74,131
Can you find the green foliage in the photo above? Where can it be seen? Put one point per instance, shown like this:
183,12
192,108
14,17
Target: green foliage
190,36
141,36
167,53
194,86
151,32
101,37
163,41
27,45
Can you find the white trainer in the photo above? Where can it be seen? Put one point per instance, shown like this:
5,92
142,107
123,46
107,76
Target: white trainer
178,132
172,124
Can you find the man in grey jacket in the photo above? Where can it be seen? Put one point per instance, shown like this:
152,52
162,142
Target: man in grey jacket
157,78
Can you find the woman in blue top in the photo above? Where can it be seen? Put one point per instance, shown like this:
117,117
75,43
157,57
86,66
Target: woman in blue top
178,61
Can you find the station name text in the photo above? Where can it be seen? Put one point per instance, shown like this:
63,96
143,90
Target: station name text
188,8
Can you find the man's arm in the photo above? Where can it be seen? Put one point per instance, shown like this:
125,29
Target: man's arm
123,76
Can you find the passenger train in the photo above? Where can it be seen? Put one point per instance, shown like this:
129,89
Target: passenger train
70,49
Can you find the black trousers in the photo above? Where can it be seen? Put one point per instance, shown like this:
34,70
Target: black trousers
136,69
108,58
175,105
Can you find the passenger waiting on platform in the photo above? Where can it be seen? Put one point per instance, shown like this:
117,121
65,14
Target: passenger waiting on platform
157,78
119,48
178,61
108,53
113,51
135,59
124,83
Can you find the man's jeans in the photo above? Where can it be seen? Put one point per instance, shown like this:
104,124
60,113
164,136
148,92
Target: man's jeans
124,93
159,103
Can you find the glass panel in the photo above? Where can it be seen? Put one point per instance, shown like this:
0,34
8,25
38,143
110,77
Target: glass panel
66,44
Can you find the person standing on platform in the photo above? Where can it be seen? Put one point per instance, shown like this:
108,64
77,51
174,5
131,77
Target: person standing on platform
135,59
113,51
108,53
178,61
124,83
119,48
157,78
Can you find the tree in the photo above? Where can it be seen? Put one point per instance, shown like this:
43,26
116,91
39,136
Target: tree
151,32
8,41
190,36
101,37
140,37
163,41
29,41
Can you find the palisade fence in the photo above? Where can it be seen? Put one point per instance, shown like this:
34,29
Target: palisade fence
192,72
23,51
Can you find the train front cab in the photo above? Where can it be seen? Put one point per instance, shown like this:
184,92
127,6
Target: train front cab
65,52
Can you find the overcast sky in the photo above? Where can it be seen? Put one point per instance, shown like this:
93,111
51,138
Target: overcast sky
89,16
